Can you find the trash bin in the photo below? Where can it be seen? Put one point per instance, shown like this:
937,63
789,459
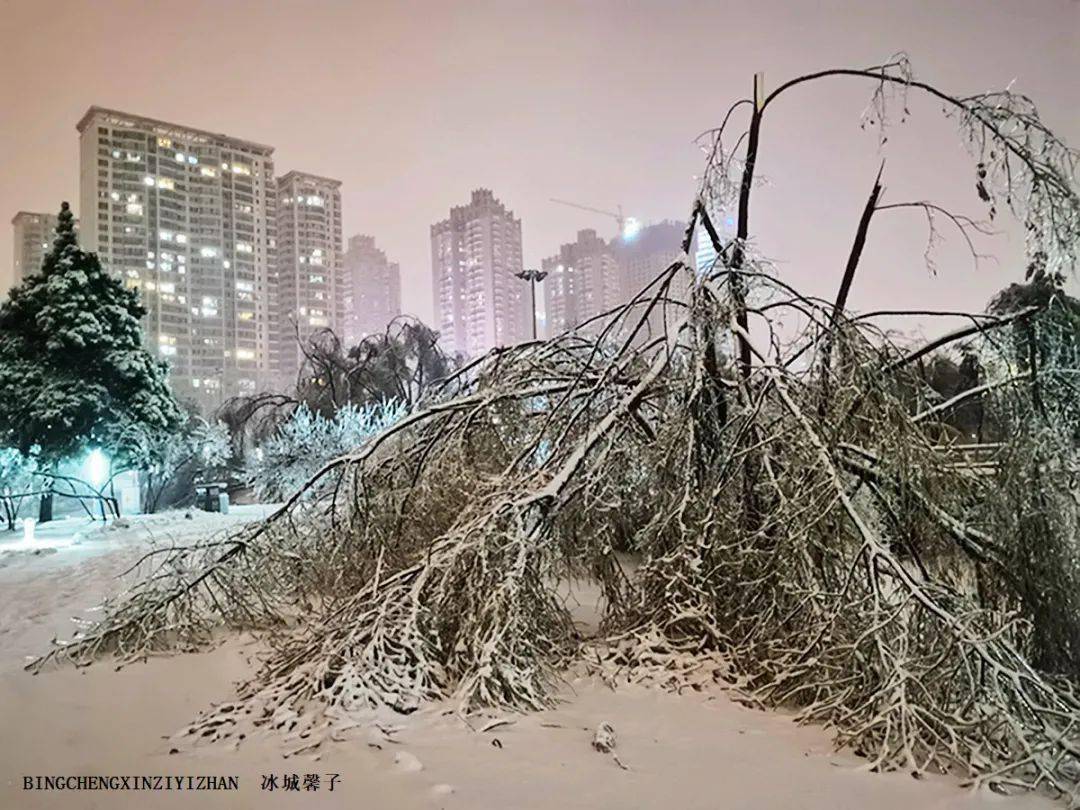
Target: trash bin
208,496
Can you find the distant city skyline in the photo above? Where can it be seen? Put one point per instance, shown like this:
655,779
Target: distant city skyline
598,126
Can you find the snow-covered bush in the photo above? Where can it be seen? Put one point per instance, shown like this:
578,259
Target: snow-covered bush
305,442
16,481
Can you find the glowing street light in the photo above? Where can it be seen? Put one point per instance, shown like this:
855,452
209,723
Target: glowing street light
97,468
532,276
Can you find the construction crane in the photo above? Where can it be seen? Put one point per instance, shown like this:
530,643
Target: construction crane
628,226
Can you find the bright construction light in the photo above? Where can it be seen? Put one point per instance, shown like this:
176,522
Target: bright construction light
631,228
28,530
97,468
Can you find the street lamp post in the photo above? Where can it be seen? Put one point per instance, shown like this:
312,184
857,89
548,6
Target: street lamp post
532,276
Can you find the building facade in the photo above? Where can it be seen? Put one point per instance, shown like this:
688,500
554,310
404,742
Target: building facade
372,289
186,216
33,234
705,255
582,282
310,282
475,254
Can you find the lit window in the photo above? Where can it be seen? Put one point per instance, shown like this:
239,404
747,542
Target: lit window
148,180
245,354
208,171
134,208
243,247
166,183
208,252
180,158
181,238
164,143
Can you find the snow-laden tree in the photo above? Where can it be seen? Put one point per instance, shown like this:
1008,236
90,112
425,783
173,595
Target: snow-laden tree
73,368
307,441
199,448
399,364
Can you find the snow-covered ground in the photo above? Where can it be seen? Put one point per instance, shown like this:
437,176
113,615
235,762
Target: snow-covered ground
691,751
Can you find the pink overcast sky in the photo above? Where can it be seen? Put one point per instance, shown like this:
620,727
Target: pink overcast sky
413,104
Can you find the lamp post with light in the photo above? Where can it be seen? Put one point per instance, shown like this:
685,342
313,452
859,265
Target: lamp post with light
532,276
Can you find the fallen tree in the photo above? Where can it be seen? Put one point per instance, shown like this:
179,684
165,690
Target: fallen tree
791,508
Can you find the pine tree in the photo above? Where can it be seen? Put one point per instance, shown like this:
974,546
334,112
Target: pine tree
73,370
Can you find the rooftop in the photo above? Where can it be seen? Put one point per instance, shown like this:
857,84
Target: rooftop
119,118
295,175
26,214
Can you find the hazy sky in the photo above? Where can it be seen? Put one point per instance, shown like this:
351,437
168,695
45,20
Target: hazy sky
413,104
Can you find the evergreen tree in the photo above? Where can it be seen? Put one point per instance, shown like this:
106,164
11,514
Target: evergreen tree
73,370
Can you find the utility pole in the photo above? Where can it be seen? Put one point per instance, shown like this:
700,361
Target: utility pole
532,276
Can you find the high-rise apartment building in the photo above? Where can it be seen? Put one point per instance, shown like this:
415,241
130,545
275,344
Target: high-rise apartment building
582,282
705,254
310,289
187,217
474,255
372,289
644,257
33,238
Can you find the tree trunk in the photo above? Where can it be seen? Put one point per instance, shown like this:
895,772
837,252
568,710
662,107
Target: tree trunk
45,509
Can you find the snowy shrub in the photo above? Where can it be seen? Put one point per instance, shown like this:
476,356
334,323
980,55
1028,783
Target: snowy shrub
16,481
305,442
